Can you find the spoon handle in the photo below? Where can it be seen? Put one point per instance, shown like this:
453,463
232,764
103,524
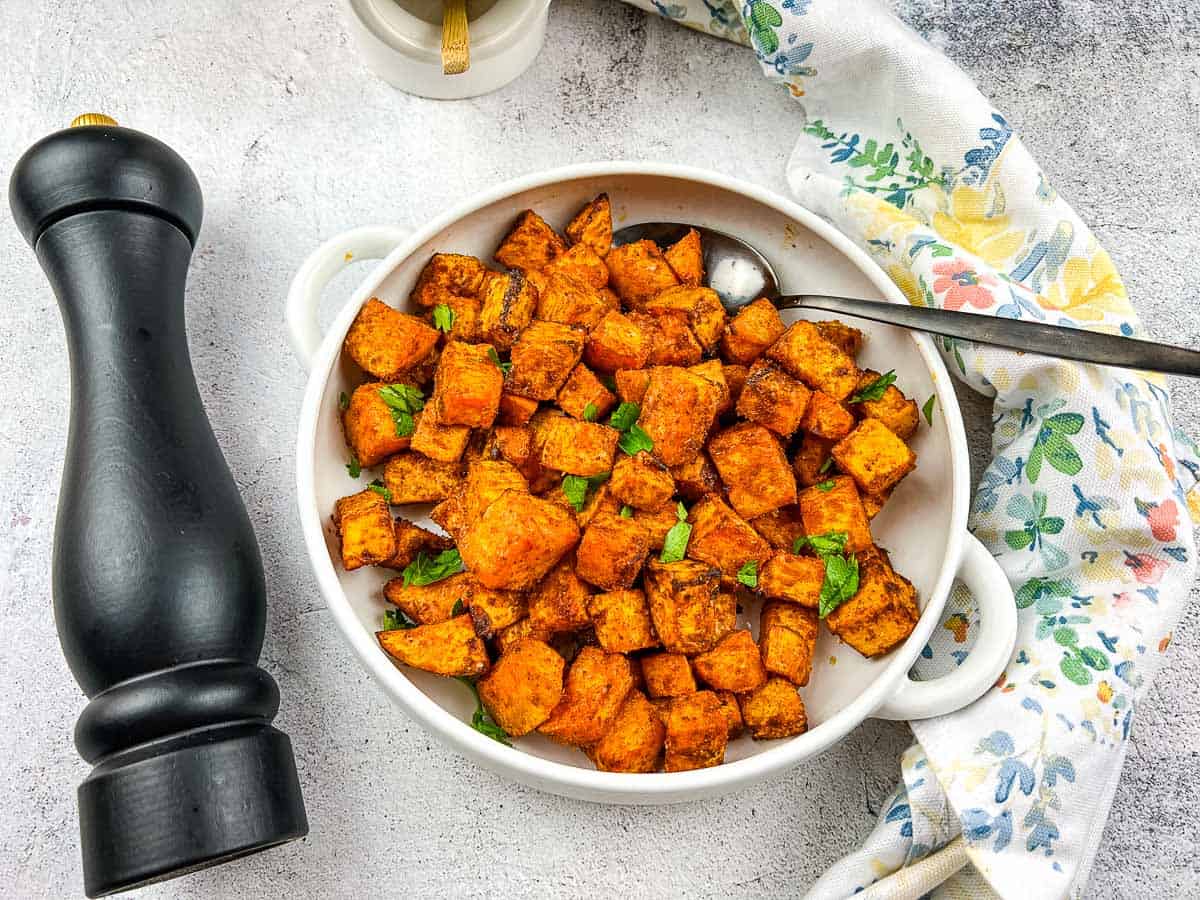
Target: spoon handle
1015,334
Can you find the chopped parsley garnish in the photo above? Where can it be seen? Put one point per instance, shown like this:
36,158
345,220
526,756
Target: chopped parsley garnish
634,440
590,412
443,318
625,416
394,619
354,467
825,466
577,487
876,389
822,544
495,357
481,721
627,512
378,487
609,382
927,409
826,486
676,541
343,401
748,574
403,401
840,584
458,609
426,570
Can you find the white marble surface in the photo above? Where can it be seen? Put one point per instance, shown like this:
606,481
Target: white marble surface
293,140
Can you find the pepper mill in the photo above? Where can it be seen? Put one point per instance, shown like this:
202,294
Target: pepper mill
159,596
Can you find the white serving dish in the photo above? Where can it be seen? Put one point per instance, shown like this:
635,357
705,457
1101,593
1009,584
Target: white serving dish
923,526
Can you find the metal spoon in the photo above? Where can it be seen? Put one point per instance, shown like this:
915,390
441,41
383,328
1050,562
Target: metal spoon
740,274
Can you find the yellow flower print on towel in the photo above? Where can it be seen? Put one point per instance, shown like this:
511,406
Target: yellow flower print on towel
1087,289
974,219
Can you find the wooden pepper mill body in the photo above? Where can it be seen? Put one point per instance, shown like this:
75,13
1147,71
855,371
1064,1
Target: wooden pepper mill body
159,597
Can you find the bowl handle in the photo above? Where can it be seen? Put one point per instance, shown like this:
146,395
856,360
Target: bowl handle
988,657
304,296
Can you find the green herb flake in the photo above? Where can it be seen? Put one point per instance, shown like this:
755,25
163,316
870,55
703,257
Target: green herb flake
840,584
495,357
443,318
343,401
625,416
590,412
609,382
458,608
927,409
876,389
403,401
354,467
822,544
426,570
577,487
675,544
826,486
825,466
378,487
481,721
748,574
397,619
635,439
626,512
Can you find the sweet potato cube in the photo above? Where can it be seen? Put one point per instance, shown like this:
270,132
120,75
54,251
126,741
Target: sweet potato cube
874,456
467,386
531,244
773,711
622,621
511,443
833,506
639,272
565,300
631,384
893,409
733,664
727,613
448,275
508,638
686,258
542,358
578,448
672,341
819,364
755,328
445,443
697,732
656,523
668,675
617,342
486,480
812,462
369,426
515,410
560,601
845,337
592,226
732,713
773,398
508,304
413,539
735,379
696,479
450,515
713,372
827,418
641,481
611,552
597,684
386,342
702,307
787,639
683,604
634,741
780,527
447,648
523,687
796,579
428,604
753,469
873,503
722,538
677,412
414,478
492,611
600,501
582,264
517,540
465,324
364,526
584,393
883,612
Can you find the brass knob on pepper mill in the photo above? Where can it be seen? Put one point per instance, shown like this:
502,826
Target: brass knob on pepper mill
159,596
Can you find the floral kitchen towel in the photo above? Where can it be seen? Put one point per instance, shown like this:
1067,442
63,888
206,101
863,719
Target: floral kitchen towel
1089,499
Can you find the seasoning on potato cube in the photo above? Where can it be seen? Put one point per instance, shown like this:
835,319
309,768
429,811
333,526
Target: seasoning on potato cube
508,304
386,343
672,341
467,386
846,337
445,443
883,612
581,264
722,538
812,462
584,396
516,410
631,384
748,335
639,272
819,364
414,478
827,418
682,597
578,448
787,639
486,480
796,579
677,412
773,711
734,664
702,307
642,481
564,300
513,444
780,527
874,456
611,552
656,523
542,358
753,469
491,610
833,506
697,732
447,648
448,275
559,602
523,687
369,426
696,479
622,621
686,258
634,741
596,687
413,539
592,226
530,245
617,342
517,541
364,525
892,408
428,604
668,675
773,399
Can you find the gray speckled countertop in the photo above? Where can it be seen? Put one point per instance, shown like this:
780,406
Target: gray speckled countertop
293,141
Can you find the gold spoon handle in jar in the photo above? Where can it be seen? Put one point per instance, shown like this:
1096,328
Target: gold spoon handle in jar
456,44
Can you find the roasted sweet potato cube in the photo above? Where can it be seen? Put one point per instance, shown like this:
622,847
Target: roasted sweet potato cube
564,300
668,675
622,621
414,478
413,539
486,480
542,358
508,638
364,526
582,264
753,469
672,341
448,275
492,611
819,364
796,579
873,503
773,711
638,272
584,396
597,684
883,612
578,448
787,639
827,418
696,479
592,226
523,687
531,244
511,443
735,379
450,515
611,552
712,371
727,613
517,540
686,258
755,328
467,386
722,538
812,462
641,481
702,307
683,604
677,411
600,501
733,664
465,324
428,604
369,426
446,648
773,398
445,443
560,601
833,506
617,342
508,304
631,384
386,342
845,337
516,410
697,732
874,456
893,409
634,741
780,527
656,523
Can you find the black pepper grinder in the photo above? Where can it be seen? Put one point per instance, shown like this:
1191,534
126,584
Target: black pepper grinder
159,596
